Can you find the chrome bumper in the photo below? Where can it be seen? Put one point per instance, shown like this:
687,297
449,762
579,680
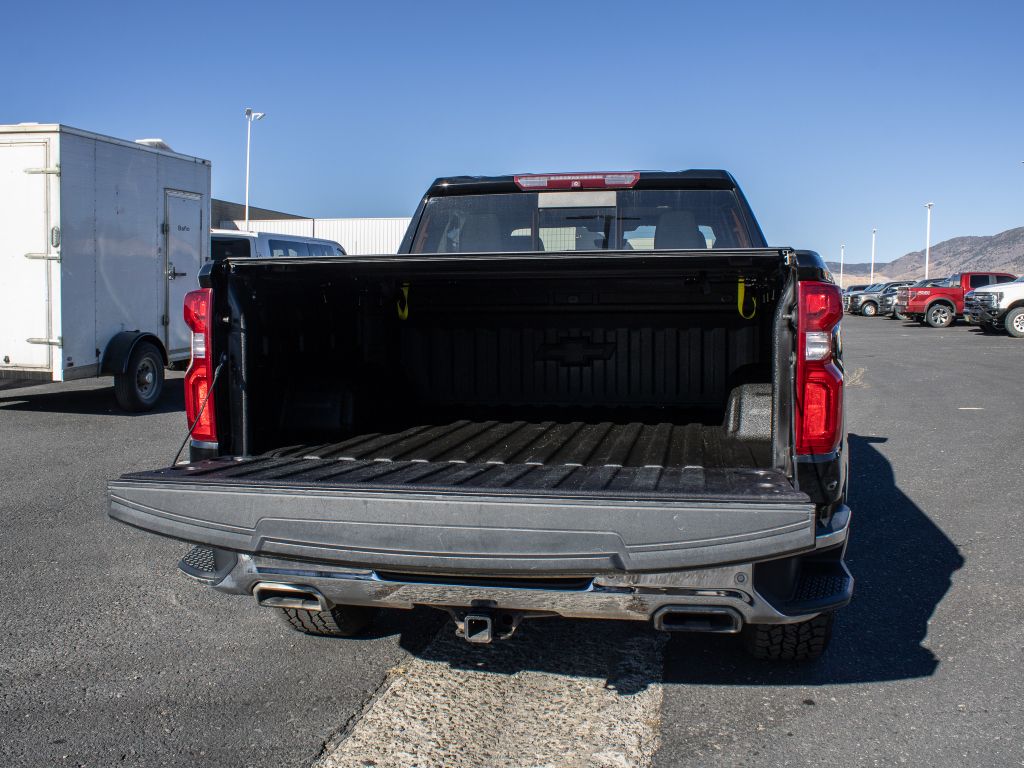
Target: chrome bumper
618,596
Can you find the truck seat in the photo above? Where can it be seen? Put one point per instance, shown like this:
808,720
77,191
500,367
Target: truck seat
678,230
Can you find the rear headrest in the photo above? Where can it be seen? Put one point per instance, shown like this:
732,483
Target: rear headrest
678,230
480,233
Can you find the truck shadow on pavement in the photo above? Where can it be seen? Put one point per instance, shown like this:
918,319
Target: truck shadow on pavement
97,400
903,566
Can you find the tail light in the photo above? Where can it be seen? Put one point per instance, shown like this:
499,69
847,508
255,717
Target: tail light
819,382
199,377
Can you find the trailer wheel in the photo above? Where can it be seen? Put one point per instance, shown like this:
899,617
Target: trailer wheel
1014,322
940,315
140,386
803,641
340,621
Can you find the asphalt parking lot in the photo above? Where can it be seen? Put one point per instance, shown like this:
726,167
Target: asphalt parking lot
112,657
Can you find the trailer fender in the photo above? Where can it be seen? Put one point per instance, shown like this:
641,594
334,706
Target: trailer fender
120,347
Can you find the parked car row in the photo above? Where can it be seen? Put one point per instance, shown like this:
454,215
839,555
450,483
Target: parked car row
992,300
868,300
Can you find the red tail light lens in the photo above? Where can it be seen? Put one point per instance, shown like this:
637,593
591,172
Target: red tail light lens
199,377
819,385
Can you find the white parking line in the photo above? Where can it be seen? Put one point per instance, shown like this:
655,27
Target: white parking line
557,694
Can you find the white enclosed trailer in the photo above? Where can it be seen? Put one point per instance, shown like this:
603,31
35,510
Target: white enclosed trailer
100,239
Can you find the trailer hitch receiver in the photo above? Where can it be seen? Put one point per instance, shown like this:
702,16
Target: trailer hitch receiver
478,628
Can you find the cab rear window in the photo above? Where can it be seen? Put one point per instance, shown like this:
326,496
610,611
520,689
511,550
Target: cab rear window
639,220
229,247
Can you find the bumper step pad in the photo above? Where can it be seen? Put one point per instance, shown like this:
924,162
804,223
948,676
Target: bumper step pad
207,564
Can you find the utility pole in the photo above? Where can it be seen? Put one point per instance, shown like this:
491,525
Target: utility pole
249,117
842,258
873,233
928,239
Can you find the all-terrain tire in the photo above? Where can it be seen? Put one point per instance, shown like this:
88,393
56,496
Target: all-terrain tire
1014,322
140,386
339,621
869,310
940,315
803,641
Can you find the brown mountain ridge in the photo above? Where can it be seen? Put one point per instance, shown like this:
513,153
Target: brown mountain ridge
1003,252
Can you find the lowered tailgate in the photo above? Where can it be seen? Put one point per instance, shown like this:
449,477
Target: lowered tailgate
473,518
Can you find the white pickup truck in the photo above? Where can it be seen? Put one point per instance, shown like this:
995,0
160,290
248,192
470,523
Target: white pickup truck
997,307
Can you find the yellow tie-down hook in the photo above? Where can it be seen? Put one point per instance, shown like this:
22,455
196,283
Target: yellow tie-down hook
741,295
403,303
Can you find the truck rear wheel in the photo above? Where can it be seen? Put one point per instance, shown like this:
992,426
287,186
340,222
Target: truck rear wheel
140,386
940,316
339,621
803,641
1014,322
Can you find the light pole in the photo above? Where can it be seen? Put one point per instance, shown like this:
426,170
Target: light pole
842,258
872,280
249,117
928,239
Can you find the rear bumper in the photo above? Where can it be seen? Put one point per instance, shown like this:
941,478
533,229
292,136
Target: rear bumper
819,581
34,375
916,308
755,550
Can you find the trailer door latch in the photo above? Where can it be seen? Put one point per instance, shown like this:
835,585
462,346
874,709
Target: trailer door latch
54,171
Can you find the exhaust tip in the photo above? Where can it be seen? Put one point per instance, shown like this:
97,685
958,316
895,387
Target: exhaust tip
276,595
718,619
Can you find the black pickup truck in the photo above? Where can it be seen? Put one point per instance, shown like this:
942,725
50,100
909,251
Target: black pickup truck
583,395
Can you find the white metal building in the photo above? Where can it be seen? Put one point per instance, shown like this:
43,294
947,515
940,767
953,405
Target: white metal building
356,236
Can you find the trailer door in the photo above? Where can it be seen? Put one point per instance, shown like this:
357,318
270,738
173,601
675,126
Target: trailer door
25,255
183,256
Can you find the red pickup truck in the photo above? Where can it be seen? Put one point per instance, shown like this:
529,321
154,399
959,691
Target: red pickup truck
940,305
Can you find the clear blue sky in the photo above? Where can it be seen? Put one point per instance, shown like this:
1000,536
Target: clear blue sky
835,118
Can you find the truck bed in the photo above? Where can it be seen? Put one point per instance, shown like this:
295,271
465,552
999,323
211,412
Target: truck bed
514,456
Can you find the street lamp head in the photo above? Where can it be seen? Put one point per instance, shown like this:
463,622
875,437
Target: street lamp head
928,205
250,115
